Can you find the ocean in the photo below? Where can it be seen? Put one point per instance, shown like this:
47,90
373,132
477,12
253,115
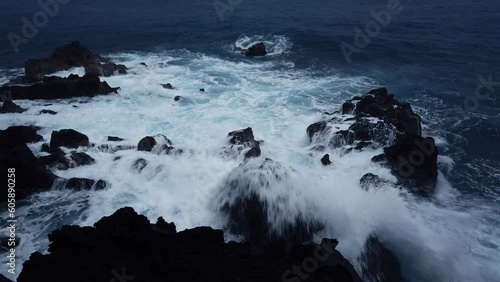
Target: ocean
441,56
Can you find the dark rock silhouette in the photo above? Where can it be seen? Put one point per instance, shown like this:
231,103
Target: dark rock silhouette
115,139
10,107
31,175
242,139
70,56
78,184
127,244
167,86
255,50
325,160
69,138
54,87
379,263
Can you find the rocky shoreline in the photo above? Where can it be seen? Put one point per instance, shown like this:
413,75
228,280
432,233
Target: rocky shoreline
126,241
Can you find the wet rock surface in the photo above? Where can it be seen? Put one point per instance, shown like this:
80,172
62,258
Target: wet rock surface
127,244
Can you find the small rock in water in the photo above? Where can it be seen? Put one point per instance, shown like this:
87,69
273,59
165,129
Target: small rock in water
140,164
146,144
258,49
167,86
326,160
50,112
115,139
143,64
202,89
10,107
177,98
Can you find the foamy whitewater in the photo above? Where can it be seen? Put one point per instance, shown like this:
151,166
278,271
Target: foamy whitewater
451,237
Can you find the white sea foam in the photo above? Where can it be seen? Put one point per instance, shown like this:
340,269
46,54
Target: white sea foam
436,240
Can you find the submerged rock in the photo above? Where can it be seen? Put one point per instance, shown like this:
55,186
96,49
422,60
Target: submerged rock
78,184
255,50
50,112
139,164
178,98
254,197
128,246
70,56
10,107
60,88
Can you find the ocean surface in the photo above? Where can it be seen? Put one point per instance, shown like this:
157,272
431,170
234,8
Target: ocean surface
441,56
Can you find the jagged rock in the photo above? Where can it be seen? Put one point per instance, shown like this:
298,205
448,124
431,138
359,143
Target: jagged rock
115,139
68,138
59,88
59,160
379,263
78,184
378,117
326,160
242,139
128,245
30,174
414,162
258,49
70,56
50,112
143,64
10,107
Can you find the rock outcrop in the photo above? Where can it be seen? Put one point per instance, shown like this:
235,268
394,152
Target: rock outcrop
31,175
127,246
70,56
256,50
375,120
60,88
69,138
10,107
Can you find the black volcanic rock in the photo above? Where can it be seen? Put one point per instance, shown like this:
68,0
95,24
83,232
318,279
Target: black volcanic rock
380,120
68,138
249,214
392,118
127,246
414,162
379,263
325,160
70,56
177,98
30,174
59,88
242,139
146,144
78,184
45,111
255,50
10,107
115,139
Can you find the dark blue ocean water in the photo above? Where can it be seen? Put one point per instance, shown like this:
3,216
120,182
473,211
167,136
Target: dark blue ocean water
434,54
